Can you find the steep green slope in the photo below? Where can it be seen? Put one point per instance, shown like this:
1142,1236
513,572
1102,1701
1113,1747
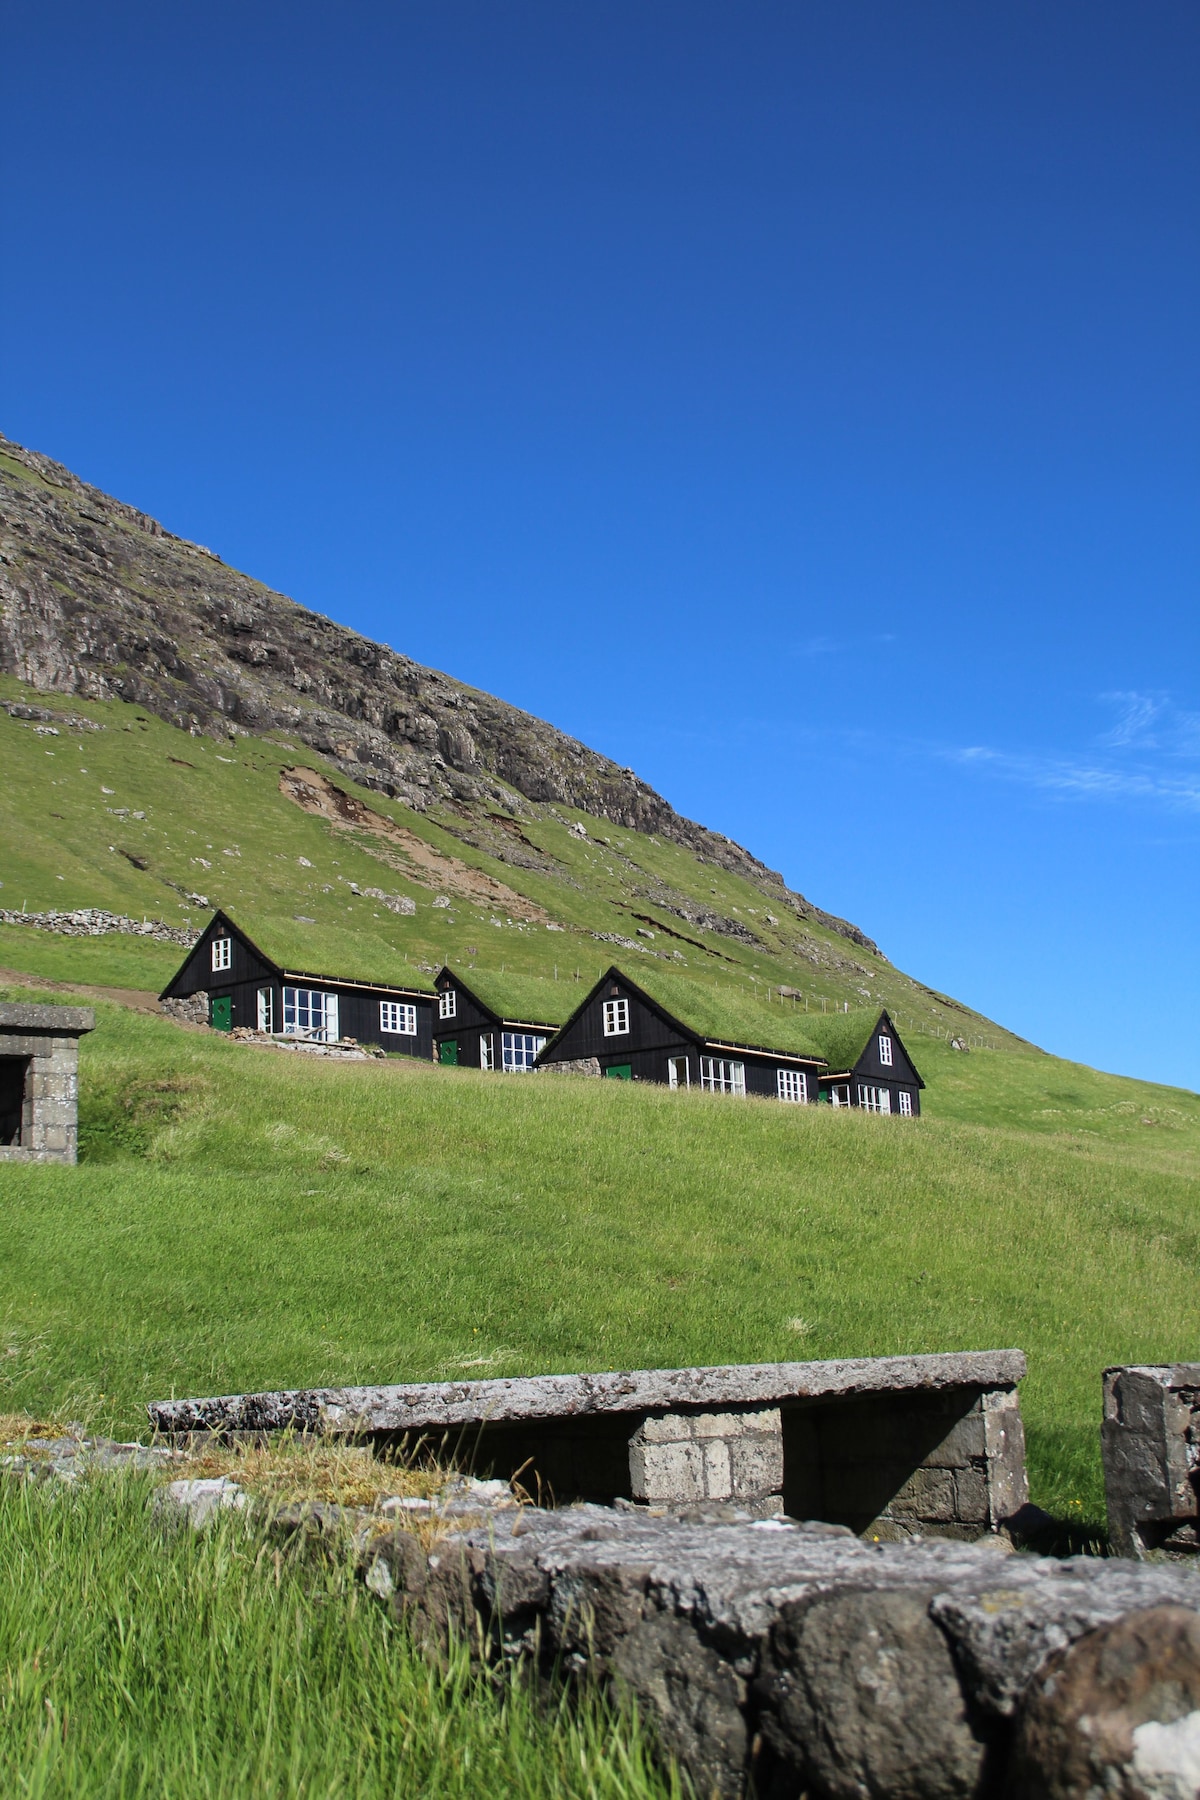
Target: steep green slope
246,1219
136,816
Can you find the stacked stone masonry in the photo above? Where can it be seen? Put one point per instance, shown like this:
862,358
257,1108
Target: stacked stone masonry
794,1662
39,1081
890,1446
1150,1438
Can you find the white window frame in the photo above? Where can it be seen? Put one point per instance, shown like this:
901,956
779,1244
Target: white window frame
518,1049
905,1108
874,1099
674,1063
839,1094
222,954
487,1050
722,1075
266,1009
398,1018
885,1050
616,1018
792,1085
448,1004
310,1013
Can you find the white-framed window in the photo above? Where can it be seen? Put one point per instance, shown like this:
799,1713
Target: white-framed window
518,1050
720,1076
222,953
906,1111
266,1009
885,1049
792,1084
678,1074
448,1004
487,1050
397,1017
874,1099
839,1094
309,1013
616,1018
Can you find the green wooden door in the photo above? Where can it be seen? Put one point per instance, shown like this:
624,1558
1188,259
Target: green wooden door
448,1053
620,1072
222,1013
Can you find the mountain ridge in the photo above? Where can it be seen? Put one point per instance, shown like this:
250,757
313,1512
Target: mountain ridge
99,600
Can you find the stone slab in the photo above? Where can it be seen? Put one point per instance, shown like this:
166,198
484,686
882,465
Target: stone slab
58,1021
420,1406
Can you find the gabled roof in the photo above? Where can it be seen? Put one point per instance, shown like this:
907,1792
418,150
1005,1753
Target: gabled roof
727,1017
843,1037
515,999
328,953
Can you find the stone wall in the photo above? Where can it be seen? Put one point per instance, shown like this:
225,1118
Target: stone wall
39,1049
887,1445
810,1663
1150,1439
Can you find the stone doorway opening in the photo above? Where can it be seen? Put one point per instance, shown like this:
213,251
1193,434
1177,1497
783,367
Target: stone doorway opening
14,1085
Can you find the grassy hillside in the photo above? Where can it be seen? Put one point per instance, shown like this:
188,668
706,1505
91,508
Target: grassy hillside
244,1219
136,816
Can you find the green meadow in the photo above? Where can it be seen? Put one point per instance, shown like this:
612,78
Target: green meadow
245,1218
144,1663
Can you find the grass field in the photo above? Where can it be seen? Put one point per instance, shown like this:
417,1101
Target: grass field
144,1663
135,816
244,1219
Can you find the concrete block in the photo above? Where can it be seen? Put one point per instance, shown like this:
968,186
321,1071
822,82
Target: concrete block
668,1473
717,1424
972,1495
965,1441
1004,1437
928,1494
756,1465
666,1428
718,1478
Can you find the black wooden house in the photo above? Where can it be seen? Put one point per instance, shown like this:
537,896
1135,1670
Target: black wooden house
276,985
665,1029
495,1021
868,1065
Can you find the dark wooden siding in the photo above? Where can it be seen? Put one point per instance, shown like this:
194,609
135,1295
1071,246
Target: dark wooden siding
645,1046
358,1011
898,1077
198,975
652,1041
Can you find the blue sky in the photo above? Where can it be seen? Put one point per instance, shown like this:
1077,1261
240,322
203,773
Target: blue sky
797,402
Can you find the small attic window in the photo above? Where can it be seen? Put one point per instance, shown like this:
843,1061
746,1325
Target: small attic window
448,1004
885,1049
222,952
616,1018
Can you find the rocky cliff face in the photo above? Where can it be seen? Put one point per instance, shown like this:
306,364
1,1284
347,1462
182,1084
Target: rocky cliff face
99,600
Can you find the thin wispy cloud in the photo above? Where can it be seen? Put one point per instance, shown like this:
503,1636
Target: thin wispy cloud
1141,757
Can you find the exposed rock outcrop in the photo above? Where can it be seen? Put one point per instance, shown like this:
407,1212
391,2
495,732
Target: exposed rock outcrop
99,600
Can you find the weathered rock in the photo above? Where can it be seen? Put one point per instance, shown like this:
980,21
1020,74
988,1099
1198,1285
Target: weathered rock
865,1700
199,1501
1116,1714
1150,1441
831,1666
96,599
